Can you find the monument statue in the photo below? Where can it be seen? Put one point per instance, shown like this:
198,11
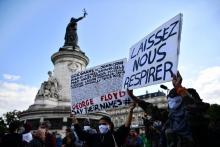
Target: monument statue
49,88
71,37
53,100
52,80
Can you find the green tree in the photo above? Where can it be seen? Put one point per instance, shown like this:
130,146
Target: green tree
7,119
214,112
3,127
11,116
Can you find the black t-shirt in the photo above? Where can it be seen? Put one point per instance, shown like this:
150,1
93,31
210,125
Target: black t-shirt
12,140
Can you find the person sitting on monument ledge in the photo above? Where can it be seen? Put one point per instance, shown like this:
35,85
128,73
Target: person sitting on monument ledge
106,137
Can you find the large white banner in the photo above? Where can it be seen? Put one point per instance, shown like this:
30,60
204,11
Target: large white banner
88,88
154,59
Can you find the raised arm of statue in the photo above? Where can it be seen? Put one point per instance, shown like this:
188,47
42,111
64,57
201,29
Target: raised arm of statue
80,18
75,20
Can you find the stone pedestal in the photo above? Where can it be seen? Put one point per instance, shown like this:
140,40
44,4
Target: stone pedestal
66,62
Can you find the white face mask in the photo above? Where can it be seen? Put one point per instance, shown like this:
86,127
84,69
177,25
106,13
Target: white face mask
149,117
86,128
157,124
27,137
174,102
103,129
72,128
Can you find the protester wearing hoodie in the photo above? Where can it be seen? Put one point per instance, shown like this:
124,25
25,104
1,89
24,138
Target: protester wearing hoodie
177,128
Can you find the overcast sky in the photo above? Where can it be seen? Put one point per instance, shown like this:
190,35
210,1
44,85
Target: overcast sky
31,31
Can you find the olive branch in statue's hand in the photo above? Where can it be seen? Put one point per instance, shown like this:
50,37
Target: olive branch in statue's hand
84,12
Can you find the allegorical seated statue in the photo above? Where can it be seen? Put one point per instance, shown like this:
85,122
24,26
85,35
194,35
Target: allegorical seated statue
50,88
52,80
71,37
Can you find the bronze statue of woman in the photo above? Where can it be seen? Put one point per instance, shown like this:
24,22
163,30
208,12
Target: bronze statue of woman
71,37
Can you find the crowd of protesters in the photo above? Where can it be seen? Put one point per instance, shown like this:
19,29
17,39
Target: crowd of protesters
185,123
22,136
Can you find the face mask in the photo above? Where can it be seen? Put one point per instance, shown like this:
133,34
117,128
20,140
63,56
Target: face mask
86,128
174,102
157,124
72,128
27,137
103,129
149,117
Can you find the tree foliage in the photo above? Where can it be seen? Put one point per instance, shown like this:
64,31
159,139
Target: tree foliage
7,119
214,112
3,127
11,116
